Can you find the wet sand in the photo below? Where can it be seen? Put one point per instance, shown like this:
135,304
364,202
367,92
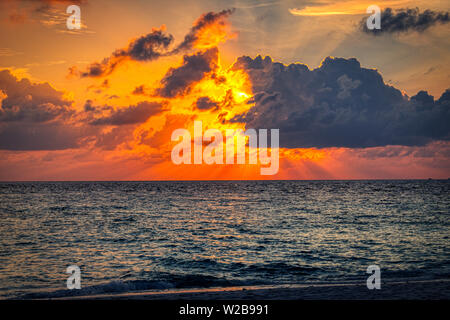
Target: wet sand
411,290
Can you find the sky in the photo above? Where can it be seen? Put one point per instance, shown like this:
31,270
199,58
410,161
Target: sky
101,102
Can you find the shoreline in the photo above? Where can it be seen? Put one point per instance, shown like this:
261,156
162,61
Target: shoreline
410,290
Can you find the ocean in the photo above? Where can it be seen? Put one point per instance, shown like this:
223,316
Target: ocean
128,236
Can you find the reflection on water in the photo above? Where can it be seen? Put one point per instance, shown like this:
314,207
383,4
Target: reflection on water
143,235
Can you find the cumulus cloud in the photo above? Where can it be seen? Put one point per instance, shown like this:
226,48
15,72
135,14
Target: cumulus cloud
195,67
404,20
339,104
35,116
31,102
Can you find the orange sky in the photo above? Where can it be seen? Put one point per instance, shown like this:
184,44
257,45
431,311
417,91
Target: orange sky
140,149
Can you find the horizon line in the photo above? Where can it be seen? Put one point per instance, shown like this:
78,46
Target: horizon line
231,180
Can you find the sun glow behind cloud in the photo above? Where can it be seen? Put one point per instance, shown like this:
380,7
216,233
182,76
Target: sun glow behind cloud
140,148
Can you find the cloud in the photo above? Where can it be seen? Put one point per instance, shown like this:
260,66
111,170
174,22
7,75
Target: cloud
124,121
88,107
339,104
194,68
51,136
99,88
130,115
49,13
404,20
199,32
146,48
140,90
31,102
207,31
35,116
161,138
438,149
111,139
205,103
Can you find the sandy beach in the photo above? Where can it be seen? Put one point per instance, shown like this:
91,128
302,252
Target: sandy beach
410,290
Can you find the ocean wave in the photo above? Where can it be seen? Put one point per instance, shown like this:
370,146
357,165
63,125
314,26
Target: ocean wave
169,281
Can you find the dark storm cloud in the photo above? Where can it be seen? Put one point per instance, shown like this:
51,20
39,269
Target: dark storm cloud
404,20
131,115
34,116
28,102
339,104
178,81
51,136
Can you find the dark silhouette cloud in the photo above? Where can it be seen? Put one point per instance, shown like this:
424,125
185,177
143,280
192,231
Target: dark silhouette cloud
195,67
339,104
88,107
146,48
31,102
130,115
35,116
205,103
152,46
404,20
50,136
139,90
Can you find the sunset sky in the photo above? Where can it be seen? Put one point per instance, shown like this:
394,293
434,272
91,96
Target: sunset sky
101,103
